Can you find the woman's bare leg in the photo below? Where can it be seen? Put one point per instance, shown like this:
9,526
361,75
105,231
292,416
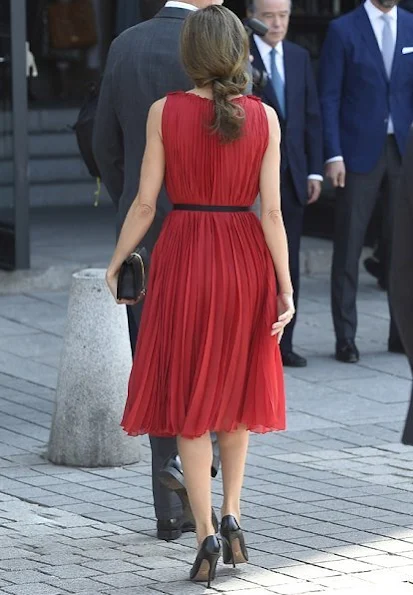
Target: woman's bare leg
233,447
196,458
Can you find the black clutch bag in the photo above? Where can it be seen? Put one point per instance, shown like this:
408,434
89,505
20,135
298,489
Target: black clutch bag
133,276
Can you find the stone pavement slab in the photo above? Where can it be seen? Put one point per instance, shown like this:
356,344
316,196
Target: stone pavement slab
327,505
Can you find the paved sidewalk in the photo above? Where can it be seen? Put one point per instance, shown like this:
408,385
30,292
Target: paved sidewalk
327,505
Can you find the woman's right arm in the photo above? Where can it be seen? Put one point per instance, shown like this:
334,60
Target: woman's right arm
271,216
142,211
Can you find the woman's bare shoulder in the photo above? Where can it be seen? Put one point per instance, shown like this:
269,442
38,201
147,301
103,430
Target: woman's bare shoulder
156,108
270,111
273,122
155,115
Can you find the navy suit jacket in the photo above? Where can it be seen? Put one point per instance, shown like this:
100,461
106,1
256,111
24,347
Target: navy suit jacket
301,134
355,93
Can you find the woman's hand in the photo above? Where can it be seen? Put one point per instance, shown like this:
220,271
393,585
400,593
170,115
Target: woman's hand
286,311
112,283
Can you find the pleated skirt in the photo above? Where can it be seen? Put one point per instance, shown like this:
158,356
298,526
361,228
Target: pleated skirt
205,359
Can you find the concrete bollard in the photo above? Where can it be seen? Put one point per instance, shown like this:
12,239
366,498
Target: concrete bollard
93,377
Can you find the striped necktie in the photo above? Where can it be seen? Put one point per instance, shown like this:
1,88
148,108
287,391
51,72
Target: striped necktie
277,82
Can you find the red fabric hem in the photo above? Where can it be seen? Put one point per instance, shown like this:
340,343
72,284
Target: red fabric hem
169,434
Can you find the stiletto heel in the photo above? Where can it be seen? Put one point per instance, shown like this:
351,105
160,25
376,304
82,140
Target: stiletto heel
234,550
206,561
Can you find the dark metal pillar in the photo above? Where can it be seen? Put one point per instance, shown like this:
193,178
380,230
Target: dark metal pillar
20,134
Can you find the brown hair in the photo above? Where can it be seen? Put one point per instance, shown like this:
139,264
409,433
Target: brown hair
214,48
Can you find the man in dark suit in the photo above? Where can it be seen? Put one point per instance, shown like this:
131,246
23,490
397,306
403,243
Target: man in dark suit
366,89
375,264
401,272
143,65
291,91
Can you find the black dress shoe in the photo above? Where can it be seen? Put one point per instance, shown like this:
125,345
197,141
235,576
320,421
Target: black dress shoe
396,347
375,268
347,352
172,476
293,360
173,529
188,527
169,530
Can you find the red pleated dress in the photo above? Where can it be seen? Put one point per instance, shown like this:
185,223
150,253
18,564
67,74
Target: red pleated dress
205,358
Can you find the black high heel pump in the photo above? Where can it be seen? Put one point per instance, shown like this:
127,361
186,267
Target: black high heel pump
206,561
234,550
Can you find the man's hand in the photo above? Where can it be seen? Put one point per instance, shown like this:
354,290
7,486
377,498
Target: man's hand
314,190
336,172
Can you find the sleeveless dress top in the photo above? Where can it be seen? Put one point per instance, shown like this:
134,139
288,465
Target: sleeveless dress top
205,359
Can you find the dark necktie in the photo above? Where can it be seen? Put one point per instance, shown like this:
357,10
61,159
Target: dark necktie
277,82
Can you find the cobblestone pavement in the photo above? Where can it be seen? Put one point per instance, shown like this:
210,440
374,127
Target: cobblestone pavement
327,505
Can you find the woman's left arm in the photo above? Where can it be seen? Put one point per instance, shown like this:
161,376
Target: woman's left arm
142,211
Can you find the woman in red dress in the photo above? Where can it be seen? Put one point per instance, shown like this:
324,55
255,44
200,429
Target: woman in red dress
207,356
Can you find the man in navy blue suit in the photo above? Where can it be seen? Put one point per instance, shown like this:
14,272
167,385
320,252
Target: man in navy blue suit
291,91
366,93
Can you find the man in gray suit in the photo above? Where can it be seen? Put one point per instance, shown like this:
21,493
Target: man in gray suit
143,66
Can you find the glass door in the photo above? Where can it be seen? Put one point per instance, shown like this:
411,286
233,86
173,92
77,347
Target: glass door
14,196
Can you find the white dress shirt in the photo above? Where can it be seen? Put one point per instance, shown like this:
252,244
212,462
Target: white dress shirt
265,53
377,24
184,5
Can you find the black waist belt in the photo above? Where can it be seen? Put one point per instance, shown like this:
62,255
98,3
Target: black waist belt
218,208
